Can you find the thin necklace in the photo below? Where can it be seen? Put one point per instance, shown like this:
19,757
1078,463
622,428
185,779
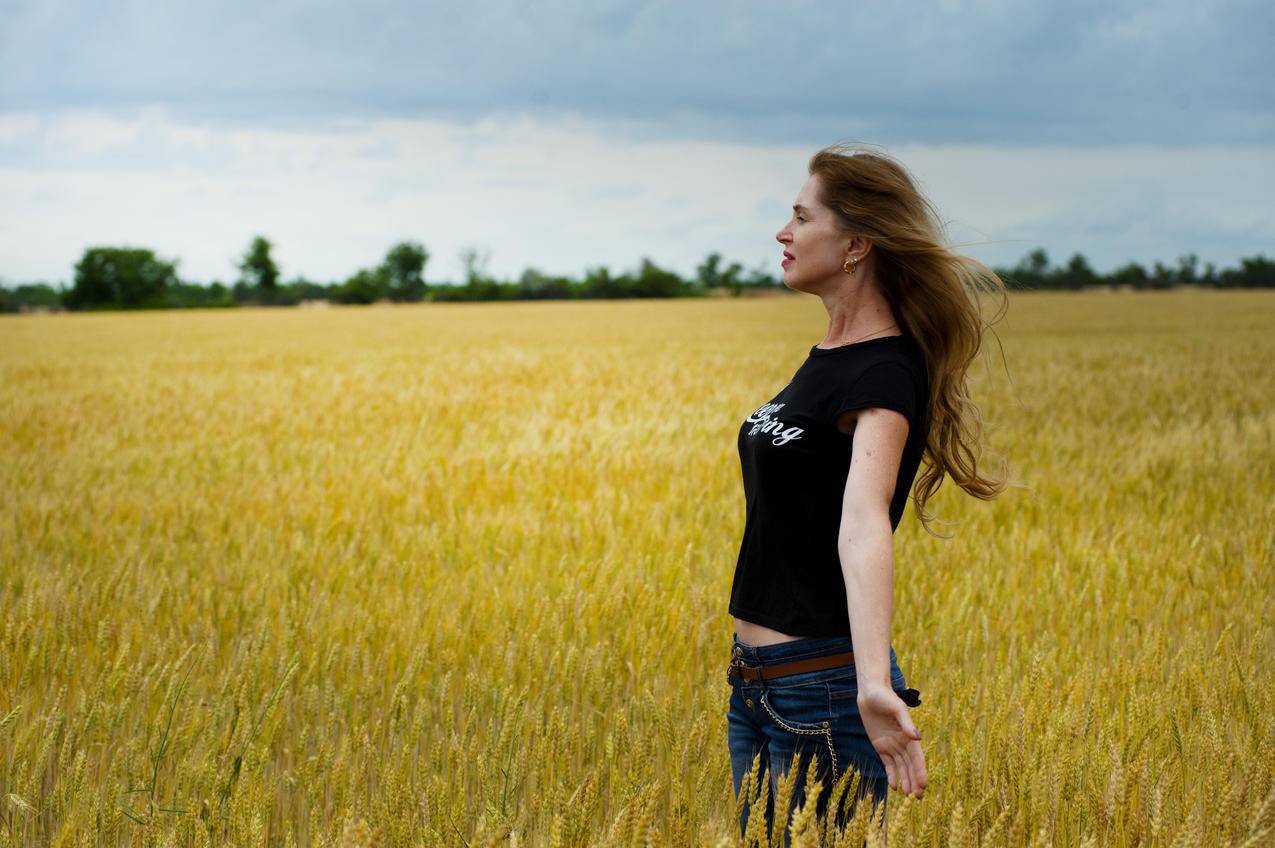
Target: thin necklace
873,333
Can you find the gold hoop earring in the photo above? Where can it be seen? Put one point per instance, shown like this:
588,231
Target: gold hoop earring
848,265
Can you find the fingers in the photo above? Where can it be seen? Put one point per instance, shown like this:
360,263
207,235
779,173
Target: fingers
896,767
911,754
905,767
912,764
909,728
917,764
898,742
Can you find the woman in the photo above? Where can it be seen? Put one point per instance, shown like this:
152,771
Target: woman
828,464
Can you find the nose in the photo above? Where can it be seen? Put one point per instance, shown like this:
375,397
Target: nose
782,236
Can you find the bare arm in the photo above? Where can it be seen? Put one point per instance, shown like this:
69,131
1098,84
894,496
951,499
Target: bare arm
866,541
866,547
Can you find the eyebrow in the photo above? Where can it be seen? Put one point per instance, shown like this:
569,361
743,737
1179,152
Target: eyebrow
797,207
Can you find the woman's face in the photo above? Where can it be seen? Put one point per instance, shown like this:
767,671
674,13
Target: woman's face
815,247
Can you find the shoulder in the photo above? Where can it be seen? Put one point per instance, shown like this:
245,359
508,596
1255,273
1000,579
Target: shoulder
893,380
908,354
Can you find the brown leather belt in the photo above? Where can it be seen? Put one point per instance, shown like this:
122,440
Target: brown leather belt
768,672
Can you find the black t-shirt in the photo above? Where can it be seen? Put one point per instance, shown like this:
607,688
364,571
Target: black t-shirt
795,462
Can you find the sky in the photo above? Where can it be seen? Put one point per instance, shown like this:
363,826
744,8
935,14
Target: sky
563,135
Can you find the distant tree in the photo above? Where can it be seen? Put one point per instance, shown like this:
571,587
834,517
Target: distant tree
120,277
179,295
1131,274
1254,271
1162,276
1036,262
219,295
299,289
706,272
654,281
1260,270
710,274
405,267
760,277
1188,269
475,260
534,285
258,270
1077,274
1031,272
367,285
30,296
598,283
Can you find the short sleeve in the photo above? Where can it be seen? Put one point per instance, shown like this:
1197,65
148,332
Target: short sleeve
886,384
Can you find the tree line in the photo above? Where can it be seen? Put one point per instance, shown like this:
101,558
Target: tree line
1035,272
135,278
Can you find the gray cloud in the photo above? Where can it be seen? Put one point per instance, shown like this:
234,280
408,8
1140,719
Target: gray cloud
1077,73
564,135
566,195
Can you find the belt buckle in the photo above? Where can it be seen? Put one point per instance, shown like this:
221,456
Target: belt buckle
737,666
736,663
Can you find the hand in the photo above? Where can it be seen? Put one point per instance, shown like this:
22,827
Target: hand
895,737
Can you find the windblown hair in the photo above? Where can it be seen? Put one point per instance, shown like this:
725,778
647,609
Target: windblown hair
935,295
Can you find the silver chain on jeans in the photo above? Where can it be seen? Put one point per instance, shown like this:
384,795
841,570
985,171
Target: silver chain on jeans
826,730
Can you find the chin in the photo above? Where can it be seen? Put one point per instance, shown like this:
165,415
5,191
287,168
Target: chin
794,285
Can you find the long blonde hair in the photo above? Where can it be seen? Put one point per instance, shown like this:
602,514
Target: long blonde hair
934,293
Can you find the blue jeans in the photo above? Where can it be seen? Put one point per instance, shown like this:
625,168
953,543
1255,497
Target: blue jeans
812,713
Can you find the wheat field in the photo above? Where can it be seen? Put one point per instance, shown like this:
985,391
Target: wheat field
456,575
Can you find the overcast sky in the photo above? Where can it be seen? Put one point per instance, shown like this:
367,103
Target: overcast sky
567,135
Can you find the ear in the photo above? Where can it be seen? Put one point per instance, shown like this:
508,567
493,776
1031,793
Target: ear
858,247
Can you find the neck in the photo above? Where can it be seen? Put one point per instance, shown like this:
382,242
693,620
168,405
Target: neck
856,310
